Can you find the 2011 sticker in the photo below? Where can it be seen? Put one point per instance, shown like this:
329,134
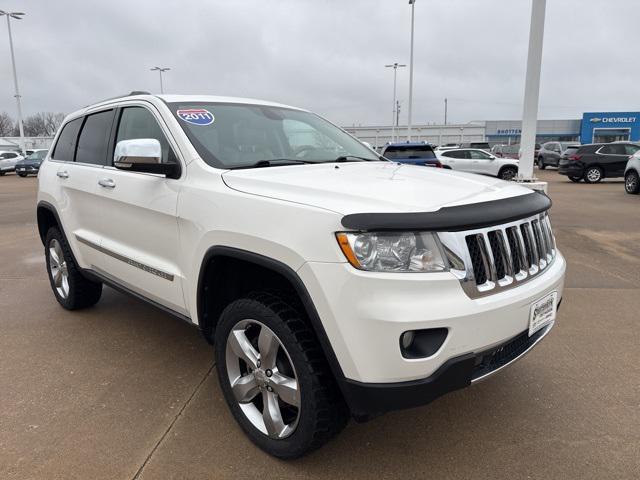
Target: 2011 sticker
196,116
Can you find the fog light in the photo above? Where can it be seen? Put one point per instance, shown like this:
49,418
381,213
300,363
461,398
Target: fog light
422,343
407,339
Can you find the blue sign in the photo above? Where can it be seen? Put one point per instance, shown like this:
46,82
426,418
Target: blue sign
610,124
196,116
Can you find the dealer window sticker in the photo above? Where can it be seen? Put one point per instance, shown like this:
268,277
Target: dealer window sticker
196,116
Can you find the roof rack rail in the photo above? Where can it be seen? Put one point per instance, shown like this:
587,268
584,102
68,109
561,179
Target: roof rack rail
134,92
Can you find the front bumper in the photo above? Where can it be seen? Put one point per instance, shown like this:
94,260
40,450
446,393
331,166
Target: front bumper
364,314
30,170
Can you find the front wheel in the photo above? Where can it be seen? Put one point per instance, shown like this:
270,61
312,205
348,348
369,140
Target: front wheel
72,290
508,173
541,164
22,175
593,175
274,377
632,182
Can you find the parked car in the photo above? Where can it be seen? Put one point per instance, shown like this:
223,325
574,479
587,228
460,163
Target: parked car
289,243
595,161
551,152
506,151
632,174
411,153
446,146
479,161
31,164
480,145
8,161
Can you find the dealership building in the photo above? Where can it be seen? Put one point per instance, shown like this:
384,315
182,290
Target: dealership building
593,127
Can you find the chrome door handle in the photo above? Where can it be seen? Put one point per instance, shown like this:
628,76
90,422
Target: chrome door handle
62,174
106,183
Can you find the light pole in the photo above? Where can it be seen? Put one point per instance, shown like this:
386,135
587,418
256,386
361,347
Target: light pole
395,67
413,4
160,70
532,91
16,16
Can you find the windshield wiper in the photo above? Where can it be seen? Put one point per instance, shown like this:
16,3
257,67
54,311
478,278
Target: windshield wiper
352,158
273,162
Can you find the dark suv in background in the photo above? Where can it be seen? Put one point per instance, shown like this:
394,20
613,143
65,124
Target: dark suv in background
551,152
415,153
596,161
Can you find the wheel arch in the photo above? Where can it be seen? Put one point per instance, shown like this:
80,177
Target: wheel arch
47,217
220,261
508,165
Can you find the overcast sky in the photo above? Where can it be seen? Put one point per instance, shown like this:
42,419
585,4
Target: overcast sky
327,55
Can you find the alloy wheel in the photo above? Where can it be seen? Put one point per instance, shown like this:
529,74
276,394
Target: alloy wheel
58,268
263,378
594,175
631,182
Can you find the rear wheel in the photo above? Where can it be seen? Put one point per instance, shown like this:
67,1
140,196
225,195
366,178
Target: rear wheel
593,175
541,164
632,182
72,290
575,179
274,377
508,173
2,172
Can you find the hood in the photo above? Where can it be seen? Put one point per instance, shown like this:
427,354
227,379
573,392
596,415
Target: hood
367,187
29,162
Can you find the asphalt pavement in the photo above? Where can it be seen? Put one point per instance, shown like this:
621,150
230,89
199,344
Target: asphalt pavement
123,391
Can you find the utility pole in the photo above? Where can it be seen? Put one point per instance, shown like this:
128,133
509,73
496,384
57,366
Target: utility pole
398,118
445,111
532,91
409,123
395,67
16,16
160,71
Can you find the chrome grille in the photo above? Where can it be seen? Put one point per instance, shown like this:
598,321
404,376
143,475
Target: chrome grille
504,256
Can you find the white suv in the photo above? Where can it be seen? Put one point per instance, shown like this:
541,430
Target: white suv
8,161
474,160
333,283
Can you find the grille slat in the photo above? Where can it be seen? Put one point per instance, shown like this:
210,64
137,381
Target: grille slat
511,254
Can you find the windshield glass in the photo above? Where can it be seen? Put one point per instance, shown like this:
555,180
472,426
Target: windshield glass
229,135
37,155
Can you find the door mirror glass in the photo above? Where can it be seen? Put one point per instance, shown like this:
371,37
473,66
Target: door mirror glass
143,155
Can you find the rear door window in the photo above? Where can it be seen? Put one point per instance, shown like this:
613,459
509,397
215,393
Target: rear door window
94,138
66,145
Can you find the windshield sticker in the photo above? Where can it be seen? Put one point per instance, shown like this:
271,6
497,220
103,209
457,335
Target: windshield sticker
196,116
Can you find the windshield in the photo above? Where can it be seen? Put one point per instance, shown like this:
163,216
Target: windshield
231,135
37,155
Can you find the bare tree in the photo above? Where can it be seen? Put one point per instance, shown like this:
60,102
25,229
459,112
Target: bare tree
6,125
42,124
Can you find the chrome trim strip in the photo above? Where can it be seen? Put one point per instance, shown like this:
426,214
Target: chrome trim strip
546,330
127,260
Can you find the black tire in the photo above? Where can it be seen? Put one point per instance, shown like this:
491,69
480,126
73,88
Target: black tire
23,175
541,164
575,179
632,182
82,292
2,172
593,175
508,173
322,413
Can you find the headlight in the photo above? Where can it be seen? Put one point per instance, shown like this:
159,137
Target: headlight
393,251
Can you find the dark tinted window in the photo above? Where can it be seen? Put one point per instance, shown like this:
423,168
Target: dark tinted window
588,148
614,149
66,146
457,154
571,150
631,149
414,151
94,138
138,122
9,155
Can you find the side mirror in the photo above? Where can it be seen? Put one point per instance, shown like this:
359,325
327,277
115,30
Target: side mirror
143,155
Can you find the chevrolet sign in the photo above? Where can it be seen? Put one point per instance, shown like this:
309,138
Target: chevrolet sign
613,120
